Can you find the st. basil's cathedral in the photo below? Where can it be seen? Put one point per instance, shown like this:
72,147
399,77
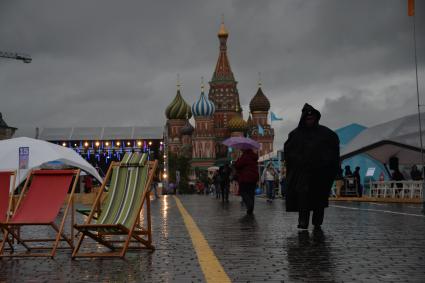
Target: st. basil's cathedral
217,117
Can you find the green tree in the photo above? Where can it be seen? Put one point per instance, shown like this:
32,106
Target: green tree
182,164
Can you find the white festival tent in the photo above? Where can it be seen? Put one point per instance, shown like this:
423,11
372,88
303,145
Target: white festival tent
397,138
40,152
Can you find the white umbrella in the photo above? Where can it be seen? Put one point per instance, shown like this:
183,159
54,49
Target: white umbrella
40,152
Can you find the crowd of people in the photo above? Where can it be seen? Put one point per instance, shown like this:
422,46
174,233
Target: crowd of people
312,162
311,165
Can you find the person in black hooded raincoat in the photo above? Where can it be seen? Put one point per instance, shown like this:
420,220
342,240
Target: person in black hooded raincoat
311,154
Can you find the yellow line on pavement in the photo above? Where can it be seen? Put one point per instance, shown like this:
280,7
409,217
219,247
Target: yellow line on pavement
211,267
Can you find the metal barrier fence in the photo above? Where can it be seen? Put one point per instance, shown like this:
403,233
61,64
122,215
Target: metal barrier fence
396,189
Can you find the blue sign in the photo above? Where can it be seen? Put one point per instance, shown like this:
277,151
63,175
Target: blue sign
24,157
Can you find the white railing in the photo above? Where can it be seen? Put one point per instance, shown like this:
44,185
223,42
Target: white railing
396,189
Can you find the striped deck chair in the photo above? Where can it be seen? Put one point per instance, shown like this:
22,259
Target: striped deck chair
39,204
119,216
7,185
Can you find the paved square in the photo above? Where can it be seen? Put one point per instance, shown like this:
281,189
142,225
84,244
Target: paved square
361,242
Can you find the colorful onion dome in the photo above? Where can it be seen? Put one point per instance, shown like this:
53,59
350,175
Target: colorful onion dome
259,102
187,129
203,107
237,124
178,108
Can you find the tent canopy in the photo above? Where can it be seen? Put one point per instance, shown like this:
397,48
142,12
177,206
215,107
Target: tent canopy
397,138
40,152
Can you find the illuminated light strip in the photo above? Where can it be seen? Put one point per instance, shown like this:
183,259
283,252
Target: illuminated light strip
378,210
210,265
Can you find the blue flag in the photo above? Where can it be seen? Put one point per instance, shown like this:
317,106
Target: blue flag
273,117
260,130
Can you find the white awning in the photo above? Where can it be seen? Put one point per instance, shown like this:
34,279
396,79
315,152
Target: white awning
40,152
397,138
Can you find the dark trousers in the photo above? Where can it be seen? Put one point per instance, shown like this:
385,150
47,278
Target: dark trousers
225,192
270,189
247,191
304,217
217,190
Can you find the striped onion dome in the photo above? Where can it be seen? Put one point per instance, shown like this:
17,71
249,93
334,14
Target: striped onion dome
178,108
203,107
237,124
259,102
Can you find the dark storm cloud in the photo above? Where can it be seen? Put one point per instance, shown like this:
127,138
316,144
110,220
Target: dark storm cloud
115,63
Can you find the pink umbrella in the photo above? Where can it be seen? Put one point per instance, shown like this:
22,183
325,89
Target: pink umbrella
241,143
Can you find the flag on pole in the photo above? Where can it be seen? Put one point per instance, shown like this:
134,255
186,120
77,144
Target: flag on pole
260,130
273,117
410,8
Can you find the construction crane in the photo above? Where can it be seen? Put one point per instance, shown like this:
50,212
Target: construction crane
18,56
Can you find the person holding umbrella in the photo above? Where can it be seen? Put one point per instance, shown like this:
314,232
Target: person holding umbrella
246,169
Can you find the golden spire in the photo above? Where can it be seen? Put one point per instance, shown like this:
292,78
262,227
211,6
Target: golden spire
178,82
202,84
223,31
259,80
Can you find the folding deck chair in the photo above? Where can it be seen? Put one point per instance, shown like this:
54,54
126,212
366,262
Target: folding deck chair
39,204
7,185
7,182
119,214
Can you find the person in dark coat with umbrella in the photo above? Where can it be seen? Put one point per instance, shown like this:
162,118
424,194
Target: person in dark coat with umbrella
247,175
312,159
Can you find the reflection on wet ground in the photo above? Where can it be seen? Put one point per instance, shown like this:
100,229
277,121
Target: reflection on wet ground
360,245
309,256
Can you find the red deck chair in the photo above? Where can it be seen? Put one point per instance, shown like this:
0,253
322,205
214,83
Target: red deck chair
7,181
40,205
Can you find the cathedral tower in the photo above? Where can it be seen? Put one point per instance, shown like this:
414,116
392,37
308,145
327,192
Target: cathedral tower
223,93
259,107
203,138
177,113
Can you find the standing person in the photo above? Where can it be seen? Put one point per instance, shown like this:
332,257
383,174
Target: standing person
88,184
247,172
154,186
398,176
356,175
312,162
339,182
348,172
268,177
216,181
224,173
415,174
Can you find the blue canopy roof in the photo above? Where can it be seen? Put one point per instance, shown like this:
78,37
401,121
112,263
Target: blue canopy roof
346,135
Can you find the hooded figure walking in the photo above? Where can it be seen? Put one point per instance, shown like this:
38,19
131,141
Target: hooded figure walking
312,162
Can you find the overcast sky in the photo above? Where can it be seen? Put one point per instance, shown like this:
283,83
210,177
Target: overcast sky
114,63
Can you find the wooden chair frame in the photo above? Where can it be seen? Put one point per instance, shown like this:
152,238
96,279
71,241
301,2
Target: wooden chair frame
13,228
141,236
10,207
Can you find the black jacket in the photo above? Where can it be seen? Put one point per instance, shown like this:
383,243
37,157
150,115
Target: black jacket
312,160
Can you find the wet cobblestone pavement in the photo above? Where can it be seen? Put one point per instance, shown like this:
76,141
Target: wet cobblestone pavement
360,242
